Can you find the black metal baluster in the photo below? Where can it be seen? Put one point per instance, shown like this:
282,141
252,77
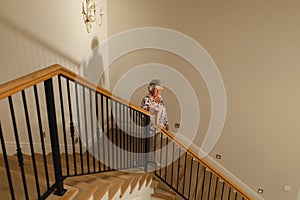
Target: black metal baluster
229,193
129,132
124,135
86,129
185,159
112,134
216,188
166,168
136,138
54,136
129,142
131,138
178,167
31,143
203,182
72,129
92,129
108,134
173,152
116,142
197,177
118,138
191,173
141,145
236,195
98,131
143,138
19,150
127,151
139,132
79,127
11,188
160,151
120,135
41,135
63,123
147,141
103,133
140,140
209,185
223,187
154,143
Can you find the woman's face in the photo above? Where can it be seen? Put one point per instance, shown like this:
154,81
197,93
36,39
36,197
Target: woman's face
157,91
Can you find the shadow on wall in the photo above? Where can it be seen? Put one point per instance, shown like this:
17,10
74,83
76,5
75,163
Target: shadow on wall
92,68
21,52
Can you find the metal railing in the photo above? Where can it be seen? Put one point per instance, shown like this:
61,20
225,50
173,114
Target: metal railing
72,129
188,176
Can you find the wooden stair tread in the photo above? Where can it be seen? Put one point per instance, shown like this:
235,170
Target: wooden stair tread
86,194
154,183
149,179
135,183
137,178
163,196
143,180
103,186
114,190
161,190
126,184
132,181
69,195
117,183
85,190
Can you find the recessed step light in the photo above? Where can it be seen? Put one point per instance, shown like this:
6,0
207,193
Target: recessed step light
260,191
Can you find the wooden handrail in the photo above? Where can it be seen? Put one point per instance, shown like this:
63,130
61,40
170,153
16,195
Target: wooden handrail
204,162
17,85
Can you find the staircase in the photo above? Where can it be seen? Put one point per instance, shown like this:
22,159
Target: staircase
52,118
129,184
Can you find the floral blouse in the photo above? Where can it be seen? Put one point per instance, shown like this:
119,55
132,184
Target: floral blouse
148,103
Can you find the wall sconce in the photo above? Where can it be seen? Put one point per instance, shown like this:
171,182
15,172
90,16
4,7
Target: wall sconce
89,14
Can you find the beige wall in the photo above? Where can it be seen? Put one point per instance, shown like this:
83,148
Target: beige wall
36,34
255,45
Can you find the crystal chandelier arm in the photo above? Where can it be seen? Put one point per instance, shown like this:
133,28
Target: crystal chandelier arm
89,14
101,18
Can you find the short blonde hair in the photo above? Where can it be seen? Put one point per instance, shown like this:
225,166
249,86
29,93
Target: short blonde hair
155,83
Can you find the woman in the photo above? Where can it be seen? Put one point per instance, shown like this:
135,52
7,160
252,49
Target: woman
154,103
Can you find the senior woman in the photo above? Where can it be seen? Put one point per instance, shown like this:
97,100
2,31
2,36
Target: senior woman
153,102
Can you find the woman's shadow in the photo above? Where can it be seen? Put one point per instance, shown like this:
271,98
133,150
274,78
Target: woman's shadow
93,67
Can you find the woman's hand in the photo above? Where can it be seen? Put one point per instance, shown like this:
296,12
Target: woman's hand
167,127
